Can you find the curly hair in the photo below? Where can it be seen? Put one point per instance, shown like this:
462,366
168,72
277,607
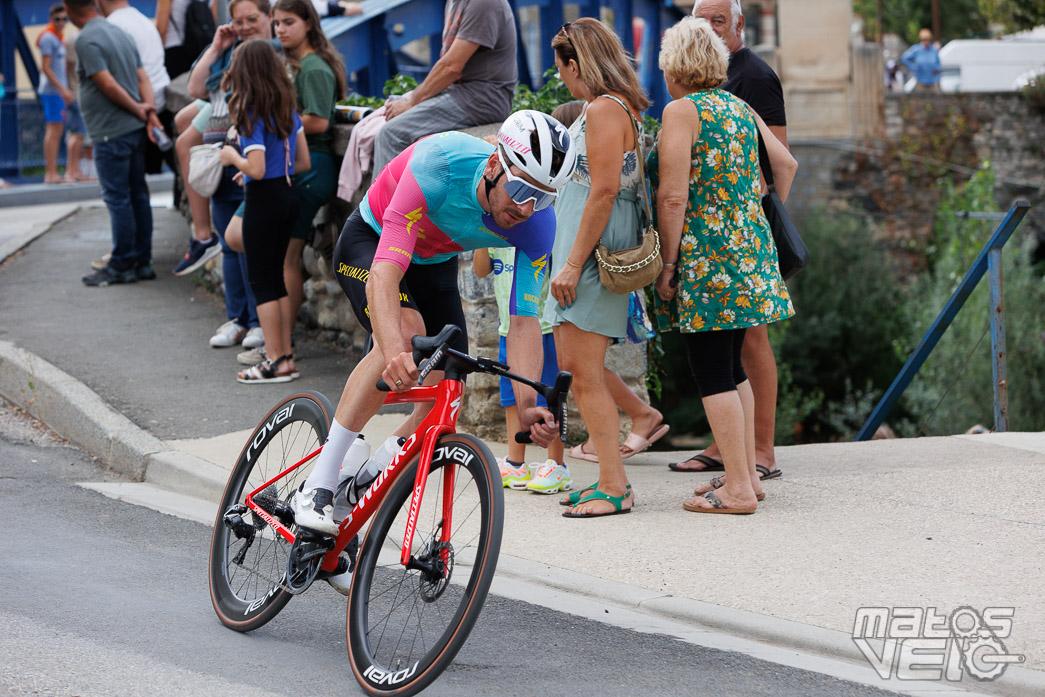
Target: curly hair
694,55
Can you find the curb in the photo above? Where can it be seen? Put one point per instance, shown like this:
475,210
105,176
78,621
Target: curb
787,634
77,413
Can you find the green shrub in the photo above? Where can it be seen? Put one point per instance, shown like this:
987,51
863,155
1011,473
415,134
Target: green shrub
841,345
549,95
954,390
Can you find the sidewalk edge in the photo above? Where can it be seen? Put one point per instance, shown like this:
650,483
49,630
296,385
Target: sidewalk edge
77,413
774,631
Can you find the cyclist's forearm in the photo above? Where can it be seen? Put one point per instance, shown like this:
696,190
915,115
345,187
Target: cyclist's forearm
525,356
382,293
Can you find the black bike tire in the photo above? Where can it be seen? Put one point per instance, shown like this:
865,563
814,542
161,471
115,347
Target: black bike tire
315,411
491,496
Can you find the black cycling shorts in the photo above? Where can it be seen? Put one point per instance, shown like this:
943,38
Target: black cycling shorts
431,289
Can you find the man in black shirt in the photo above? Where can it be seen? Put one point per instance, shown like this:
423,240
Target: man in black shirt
750,78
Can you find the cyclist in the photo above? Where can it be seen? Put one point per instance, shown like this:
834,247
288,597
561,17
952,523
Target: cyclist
396,260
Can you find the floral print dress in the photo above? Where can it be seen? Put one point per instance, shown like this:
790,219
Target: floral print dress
728,270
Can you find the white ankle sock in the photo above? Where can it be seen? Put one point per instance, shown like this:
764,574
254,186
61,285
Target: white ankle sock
328,464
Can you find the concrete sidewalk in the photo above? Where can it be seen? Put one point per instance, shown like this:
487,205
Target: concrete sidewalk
929,523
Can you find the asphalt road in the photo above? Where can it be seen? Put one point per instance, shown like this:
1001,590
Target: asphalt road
107,598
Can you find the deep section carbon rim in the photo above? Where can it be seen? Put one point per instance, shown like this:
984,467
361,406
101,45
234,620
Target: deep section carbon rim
405,624
249,559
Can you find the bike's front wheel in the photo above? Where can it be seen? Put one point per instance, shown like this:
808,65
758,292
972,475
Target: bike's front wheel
248,560
406,623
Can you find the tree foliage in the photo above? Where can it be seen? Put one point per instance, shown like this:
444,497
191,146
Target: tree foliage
959,19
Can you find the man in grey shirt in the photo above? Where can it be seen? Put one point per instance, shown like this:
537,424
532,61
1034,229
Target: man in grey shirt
120,112
472,83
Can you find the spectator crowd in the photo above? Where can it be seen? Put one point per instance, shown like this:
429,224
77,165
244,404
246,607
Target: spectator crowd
265,85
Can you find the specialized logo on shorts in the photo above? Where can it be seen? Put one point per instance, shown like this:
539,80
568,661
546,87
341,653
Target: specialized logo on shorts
353,272
538,266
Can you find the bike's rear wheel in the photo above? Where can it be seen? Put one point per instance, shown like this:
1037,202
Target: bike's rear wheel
405,625
248,593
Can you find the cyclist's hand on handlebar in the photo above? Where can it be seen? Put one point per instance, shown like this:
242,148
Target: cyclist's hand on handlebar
401,372
540,423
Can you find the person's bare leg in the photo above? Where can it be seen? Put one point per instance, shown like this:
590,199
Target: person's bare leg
643,416
270,318
73,151
294,276
199,207
234,234
726,414
760,366
52,139
583,354
516,451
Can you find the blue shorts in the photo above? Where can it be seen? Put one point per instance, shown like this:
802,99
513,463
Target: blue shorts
74,120
548,373
54,108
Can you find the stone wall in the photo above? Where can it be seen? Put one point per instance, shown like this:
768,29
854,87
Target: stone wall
894,176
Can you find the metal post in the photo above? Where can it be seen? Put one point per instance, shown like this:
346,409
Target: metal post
998,360
943,320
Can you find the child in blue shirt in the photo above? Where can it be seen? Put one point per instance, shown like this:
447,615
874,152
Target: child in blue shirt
272,140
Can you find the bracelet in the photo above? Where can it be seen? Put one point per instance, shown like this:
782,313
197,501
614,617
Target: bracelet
670,263
576,266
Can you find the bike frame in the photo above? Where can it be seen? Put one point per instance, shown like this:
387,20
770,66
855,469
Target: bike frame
441,420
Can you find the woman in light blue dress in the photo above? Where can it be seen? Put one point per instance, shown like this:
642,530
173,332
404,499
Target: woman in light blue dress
600,203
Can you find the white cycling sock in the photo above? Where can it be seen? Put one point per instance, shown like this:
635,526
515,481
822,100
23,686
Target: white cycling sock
328,464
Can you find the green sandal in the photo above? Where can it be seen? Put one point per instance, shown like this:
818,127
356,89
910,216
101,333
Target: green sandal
617,502
575,497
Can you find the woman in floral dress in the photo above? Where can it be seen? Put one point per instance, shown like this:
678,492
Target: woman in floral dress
721,272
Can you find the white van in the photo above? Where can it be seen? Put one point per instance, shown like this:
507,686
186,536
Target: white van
985,65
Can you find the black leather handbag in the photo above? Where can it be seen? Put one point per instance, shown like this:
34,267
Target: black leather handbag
792,254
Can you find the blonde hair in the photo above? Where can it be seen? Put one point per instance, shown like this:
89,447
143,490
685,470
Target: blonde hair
694,55
604,65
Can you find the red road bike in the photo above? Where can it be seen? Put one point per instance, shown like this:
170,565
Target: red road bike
423,569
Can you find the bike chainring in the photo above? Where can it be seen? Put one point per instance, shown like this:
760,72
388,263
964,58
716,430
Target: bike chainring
305,558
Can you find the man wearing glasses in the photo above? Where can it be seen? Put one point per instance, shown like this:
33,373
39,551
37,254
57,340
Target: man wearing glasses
396,260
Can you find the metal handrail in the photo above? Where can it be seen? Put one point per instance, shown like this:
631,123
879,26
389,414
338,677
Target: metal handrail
987,262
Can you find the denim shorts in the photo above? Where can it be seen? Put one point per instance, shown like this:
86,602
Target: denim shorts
54,108
74,120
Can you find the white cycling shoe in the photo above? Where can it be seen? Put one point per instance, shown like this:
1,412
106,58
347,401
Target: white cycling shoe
314,510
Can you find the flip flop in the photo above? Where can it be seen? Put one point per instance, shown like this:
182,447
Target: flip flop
716,506
765,473
719,482
575,496
710,465
636,443
617,502
577,451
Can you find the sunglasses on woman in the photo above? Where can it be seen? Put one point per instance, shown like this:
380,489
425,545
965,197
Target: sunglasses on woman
520,191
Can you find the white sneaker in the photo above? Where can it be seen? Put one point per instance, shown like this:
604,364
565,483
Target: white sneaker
228,334
251,356
517,477
254,338
314,509
552,477
342,583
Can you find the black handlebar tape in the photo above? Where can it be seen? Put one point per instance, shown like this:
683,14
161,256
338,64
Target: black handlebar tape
383,386
523,437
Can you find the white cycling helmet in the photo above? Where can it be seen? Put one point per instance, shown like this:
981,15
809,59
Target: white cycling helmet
514,138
